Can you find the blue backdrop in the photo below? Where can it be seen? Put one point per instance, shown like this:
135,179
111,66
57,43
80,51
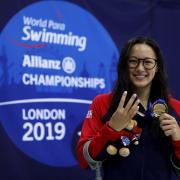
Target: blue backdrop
36,147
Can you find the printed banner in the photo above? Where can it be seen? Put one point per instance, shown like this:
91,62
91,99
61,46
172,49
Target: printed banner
55,57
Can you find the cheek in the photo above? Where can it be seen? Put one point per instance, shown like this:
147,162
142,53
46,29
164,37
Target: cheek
130,74
130,71
153,74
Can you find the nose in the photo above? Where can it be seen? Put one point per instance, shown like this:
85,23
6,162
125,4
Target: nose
140,66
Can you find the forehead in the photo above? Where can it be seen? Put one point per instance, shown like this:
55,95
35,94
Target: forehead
142,51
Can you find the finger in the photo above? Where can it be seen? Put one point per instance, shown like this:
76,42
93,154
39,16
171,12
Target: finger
133,110
134,106
130,102
168,132
167,121
122,101
167,127
140,114
166,116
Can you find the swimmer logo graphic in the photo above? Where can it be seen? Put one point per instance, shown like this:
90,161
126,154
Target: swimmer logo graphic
51,66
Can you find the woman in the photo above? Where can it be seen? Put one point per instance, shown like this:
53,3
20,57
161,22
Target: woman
141,82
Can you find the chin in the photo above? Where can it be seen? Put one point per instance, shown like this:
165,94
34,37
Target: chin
140,84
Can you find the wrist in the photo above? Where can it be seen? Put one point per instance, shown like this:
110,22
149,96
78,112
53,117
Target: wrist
112,126
176,137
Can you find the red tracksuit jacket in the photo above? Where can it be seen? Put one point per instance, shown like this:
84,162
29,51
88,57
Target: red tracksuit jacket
100,134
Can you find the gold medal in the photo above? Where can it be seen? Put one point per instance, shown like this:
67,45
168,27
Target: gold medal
159,107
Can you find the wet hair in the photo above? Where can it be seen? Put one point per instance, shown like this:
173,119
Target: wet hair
159,87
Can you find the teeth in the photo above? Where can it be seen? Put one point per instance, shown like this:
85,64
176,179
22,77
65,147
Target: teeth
140,77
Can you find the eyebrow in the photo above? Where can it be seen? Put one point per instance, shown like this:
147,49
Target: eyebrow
142,58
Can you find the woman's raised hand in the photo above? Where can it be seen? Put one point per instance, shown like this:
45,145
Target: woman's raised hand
123,114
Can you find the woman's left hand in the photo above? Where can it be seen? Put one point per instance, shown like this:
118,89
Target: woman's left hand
170,126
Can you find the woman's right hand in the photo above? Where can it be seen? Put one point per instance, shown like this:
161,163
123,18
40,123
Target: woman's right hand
123,115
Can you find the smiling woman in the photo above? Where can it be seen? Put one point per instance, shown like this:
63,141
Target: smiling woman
141,75
141,84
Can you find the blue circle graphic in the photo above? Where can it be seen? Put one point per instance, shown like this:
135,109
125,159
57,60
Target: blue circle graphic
54,58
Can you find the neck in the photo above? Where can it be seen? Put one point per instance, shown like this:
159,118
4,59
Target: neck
143,95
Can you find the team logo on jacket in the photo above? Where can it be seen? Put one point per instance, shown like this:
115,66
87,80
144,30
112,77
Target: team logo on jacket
89,114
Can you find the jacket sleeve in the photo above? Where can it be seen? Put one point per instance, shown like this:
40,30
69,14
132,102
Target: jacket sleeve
175,158
96,132
175,104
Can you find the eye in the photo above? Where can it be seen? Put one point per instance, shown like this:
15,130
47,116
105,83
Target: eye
148,61
133,61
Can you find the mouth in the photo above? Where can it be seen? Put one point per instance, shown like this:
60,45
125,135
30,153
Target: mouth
140,77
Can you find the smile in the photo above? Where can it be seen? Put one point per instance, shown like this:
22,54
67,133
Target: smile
140,77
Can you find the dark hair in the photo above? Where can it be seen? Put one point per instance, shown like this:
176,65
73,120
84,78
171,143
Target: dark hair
159,88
